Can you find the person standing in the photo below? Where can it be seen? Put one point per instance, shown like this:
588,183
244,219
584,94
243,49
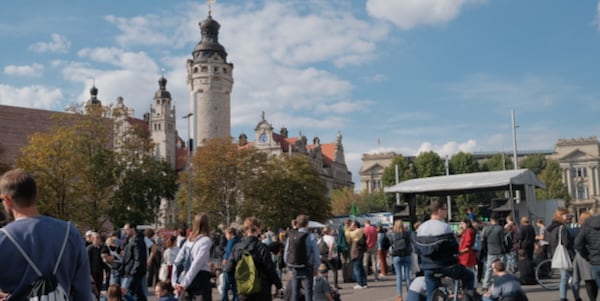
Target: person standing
355,235
196,281
134,262
228,278
370,257
541,238
437,245
169,256
383,246
41,237
331,259
492,236
582,269
467,257
262,258
556,230
527,237
94,252
303,268
401,255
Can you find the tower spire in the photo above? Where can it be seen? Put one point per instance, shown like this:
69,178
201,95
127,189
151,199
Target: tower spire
210,2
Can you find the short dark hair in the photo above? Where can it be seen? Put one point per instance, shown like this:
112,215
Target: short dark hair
436,204
499,265
19,186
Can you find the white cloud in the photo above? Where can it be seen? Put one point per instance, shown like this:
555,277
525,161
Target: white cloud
59,44
135,61
34,70
407,14
449,148
31,96
141,30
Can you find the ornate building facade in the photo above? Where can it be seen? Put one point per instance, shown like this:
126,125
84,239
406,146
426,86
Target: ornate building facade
328,158
579,159
371,170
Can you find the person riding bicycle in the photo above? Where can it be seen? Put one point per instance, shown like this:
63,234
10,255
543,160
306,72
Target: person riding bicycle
435,242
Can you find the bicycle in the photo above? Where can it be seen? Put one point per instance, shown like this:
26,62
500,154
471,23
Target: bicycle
447,290
546,276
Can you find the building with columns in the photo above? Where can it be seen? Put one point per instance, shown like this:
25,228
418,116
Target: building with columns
371,170
579,159
210,80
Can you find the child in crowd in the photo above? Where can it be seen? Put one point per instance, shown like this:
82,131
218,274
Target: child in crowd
321,289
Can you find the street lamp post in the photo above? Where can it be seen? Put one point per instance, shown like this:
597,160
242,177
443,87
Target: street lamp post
188,165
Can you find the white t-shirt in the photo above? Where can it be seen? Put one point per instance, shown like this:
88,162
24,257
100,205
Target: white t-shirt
433,227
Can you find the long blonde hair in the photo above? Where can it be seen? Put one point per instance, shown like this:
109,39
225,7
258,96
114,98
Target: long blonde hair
200,226
398,226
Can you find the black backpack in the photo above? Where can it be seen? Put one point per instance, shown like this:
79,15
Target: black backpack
323,248
400,245
507,241
385,243
361,244
297,257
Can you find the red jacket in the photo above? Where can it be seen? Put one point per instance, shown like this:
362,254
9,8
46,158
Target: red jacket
467,240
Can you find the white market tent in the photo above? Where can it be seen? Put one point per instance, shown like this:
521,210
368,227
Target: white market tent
522,180
471,182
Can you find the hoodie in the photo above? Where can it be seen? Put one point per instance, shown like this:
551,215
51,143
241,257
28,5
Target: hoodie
587,241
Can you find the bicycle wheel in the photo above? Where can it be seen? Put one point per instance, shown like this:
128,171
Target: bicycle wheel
439,295
546,276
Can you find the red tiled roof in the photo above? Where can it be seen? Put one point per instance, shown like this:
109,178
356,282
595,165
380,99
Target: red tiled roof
328,151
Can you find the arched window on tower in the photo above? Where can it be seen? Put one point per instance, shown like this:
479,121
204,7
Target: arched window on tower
225,70
195,70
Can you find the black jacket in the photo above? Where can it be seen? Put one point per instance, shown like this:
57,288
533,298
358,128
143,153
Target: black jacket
134,261
567,240
526,236
437,251
587,241
264,263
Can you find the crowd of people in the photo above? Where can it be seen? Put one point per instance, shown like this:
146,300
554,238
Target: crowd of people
250,261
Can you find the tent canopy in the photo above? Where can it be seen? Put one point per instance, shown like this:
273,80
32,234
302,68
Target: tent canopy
467,183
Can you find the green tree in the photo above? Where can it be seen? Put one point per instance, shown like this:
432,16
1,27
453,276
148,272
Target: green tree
498,161
428,164
462,163
536,163
341,200
288,186
405,172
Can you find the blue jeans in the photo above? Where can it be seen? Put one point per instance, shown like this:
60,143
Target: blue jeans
456,271
402,268
357,269
229,285
306,276
134,287
115,277
564,284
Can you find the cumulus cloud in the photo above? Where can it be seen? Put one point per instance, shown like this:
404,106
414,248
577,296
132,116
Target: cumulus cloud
58,44
34,70
449,148
34,96
136,61
141,30
407,14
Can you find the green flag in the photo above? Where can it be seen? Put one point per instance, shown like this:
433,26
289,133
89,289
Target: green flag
353,210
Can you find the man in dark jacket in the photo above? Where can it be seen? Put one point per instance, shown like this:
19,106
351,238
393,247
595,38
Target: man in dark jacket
437,246
262,257
527,237
492,236
134,262
587,243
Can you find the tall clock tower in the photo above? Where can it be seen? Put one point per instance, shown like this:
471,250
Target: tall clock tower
209,79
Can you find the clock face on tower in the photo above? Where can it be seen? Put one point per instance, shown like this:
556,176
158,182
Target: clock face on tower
262,138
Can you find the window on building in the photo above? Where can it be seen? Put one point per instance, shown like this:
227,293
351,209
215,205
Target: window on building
195,70
225,70
581,191
204,69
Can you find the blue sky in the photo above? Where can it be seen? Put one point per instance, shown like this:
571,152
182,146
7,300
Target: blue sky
438,75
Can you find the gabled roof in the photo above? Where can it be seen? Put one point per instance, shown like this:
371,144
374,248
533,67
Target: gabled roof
328,151
577,154
466,183
371,167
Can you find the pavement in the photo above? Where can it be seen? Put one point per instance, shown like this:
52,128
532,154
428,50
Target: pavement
385,290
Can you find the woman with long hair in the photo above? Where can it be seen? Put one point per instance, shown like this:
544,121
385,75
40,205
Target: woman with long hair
467,257
582,269
558,228
401,255
196,281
